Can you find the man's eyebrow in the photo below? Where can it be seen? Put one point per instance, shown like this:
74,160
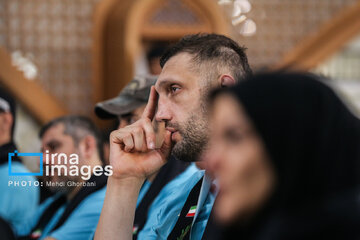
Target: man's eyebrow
168,82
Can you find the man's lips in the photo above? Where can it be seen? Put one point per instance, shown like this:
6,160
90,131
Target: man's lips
172,130
174,133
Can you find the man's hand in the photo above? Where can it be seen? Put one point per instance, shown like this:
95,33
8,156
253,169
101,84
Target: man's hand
132,149
133,157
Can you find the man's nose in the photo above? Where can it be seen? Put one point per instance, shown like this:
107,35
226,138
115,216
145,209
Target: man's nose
163,112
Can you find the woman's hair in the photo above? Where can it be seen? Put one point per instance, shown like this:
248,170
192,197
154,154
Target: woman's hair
310,135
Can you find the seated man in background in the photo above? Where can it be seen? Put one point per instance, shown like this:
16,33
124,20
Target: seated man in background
128,107
13,208
74,170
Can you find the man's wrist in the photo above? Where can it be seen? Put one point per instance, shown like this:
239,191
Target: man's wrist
125,183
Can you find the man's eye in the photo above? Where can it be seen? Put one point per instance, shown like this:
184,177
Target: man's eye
173,89
52,147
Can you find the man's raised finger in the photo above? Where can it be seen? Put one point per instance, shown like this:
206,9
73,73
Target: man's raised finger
150,108
149,134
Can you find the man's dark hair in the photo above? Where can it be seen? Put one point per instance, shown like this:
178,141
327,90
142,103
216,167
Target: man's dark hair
77,127
157,50
218,50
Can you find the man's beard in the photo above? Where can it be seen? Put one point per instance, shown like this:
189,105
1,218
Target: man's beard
63,189
194,133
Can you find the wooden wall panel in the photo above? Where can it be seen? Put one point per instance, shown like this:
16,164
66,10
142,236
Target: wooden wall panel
39,102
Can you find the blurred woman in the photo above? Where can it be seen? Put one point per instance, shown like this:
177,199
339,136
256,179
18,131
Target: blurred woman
286,152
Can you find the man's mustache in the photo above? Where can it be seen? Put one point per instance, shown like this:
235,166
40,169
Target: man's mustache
173,125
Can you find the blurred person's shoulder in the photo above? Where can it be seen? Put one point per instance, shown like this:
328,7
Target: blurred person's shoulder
82,223
95,199
92,204
17,182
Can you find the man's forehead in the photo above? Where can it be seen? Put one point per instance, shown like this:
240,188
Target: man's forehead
182,58
54,131
177,69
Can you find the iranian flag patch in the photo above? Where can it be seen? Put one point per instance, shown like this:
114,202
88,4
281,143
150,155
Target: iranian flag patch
36,234
135,229
191,212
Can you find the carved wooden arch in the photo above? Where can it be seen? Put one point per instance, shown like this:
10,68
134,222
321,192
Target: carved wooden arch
330,38
121,26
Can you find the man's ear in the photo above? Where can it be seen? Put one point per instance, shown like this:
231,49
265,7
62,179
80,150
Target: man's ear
226,80
8,121
88,146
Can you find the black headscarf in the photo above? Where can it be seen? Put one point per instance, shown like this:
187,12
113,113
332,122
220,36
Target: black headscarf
313,142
